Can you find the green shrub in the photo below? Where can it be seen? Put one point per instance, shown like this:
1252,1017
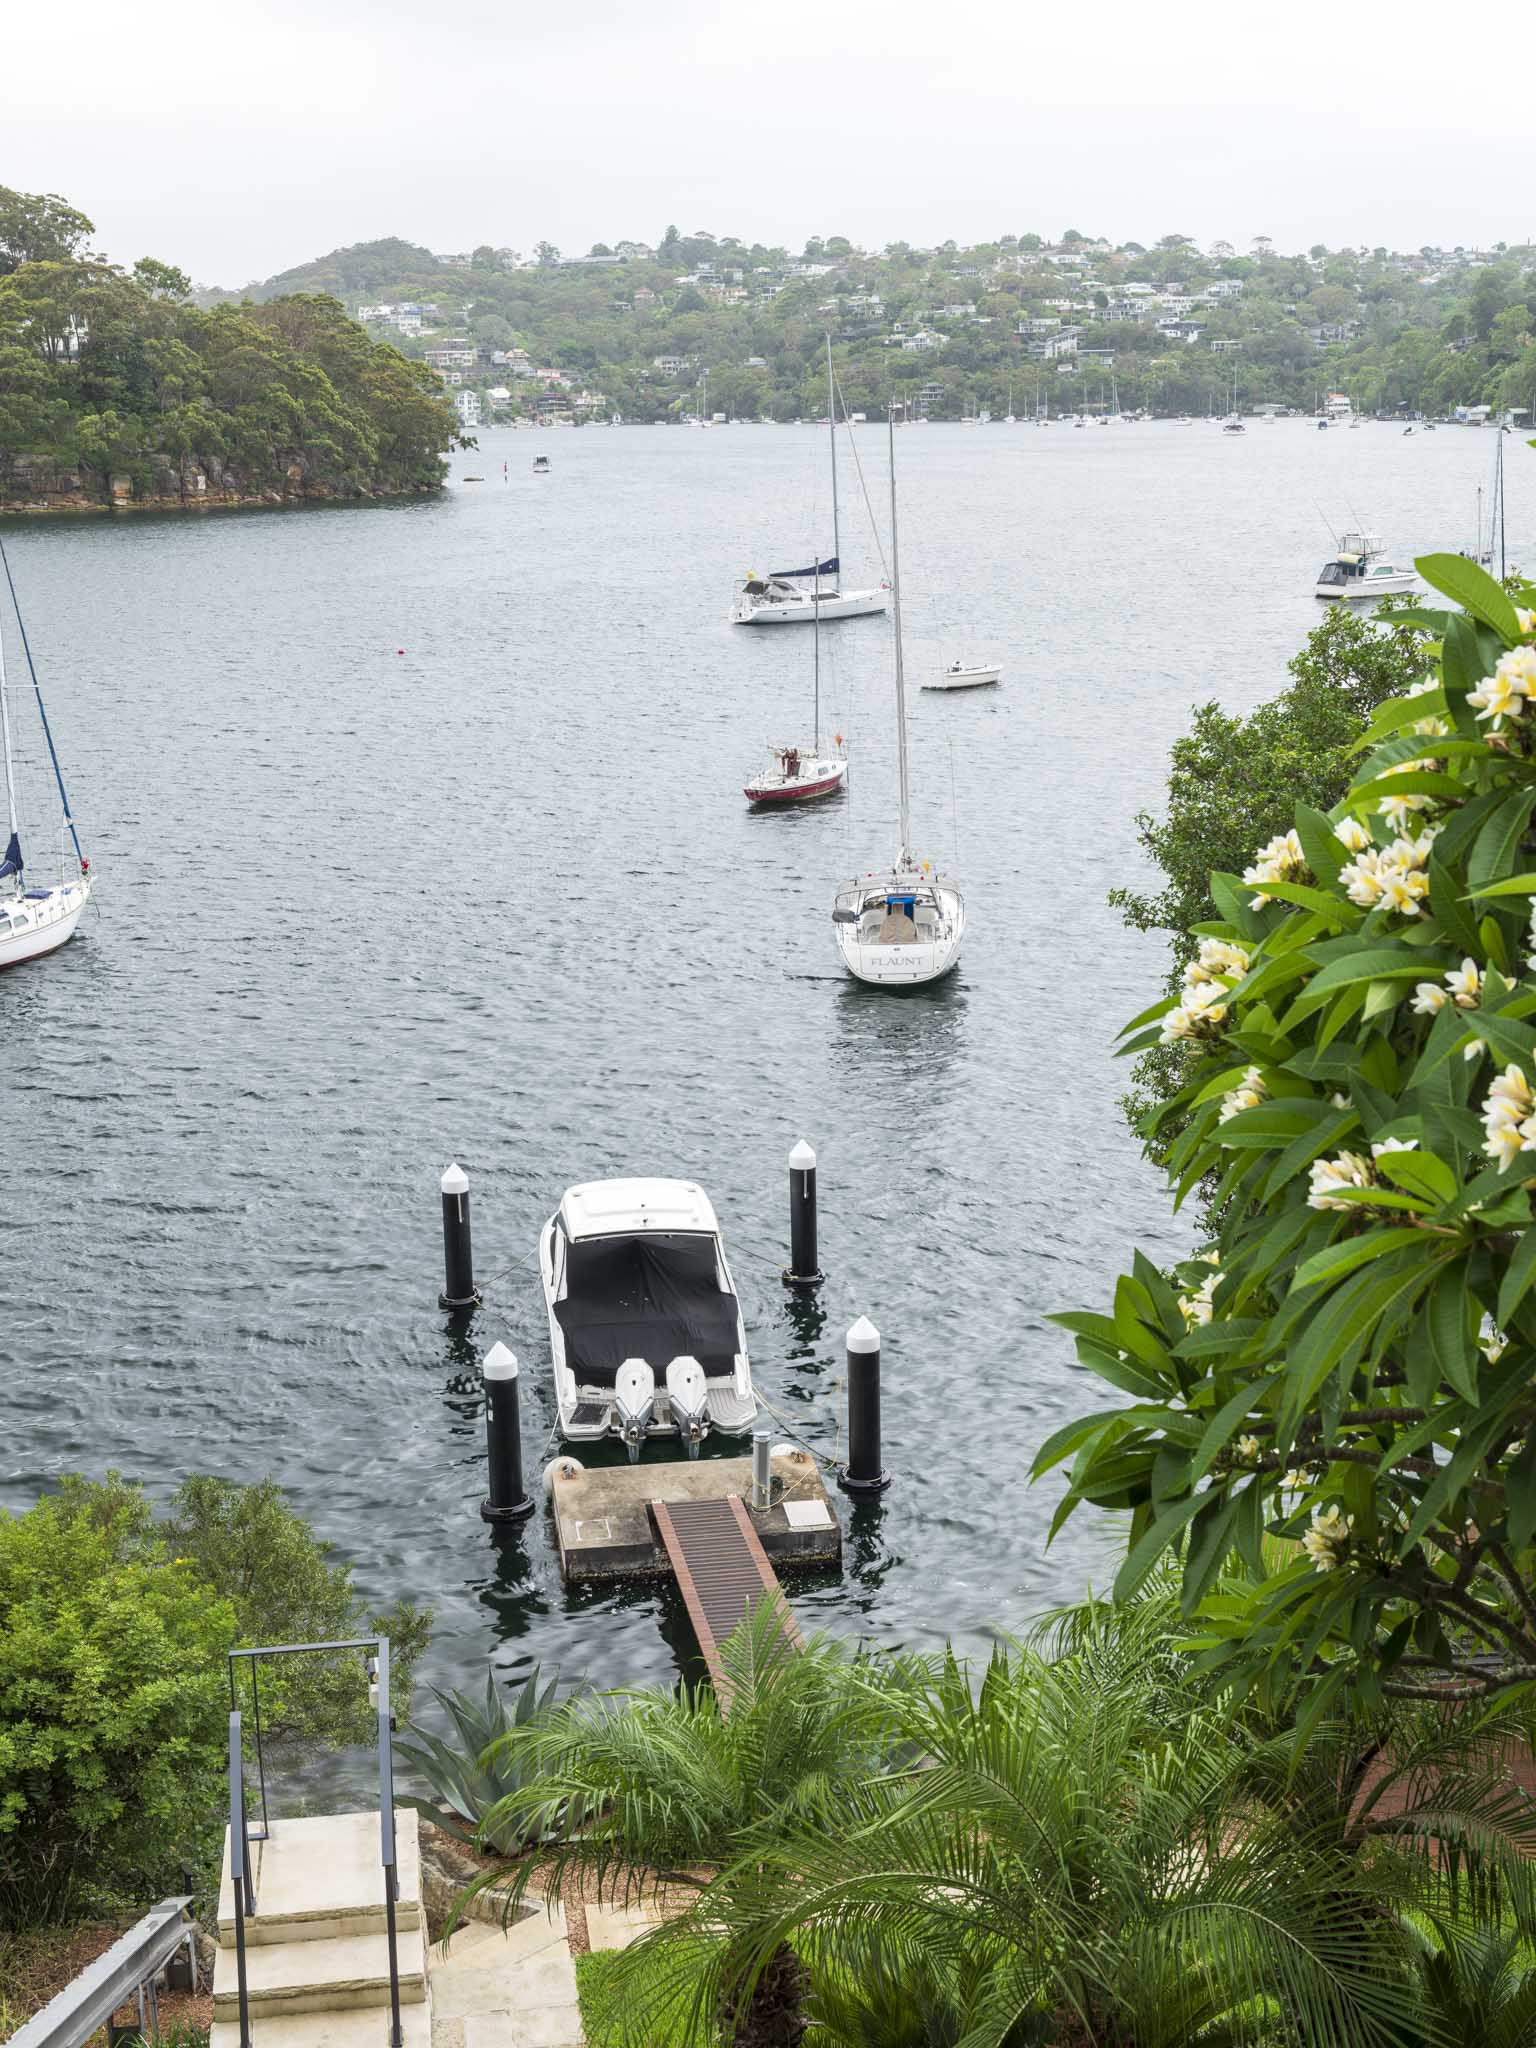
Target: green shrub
286,1586
114,1691
113,1707
1235,781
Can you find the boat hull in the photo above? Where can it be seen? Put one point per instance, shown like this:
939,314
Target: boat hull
804,791
848,604
1369,587
50,923
910,963
966,679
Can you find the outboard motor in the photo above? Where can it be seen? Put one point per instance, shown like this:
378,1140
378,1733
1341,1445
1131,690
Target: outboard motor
634,1397
687,1392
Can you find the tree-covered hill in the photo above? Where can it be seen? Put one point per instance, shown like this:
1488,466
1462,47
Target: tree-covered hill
1072,324
115,389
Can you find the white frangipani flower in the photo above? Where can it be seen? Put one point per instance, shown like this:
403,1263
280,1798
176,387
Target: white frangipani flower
1248,1447
1247,1094
1353,834
1505,694
1509,1117
1397,809
1327,1538
1333,1180
1198,1308
1491,1340
1282,860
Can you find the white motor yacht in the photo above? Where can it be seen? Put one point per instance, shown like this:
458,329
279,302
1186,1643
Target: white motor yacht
645,1328
1361,569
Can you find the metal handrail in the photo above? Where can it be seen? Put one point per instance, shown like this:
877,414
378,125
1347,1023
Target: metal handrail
240,1868
376,1649
136,1957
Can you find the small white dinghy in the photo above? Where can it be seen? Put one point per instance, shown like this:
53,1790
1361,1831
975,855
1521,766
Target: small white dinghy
959,677
644,1325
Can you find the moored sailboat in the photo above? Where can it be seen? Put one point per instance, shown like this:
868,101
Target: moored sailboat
799,774
903,926
35,917
780,598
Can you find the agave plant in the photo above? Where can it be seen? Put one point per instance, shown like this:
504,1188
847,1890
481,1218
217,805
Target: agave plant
479,1776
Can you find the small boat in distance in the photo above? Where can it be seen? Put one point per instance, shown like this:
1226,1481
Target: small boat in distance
959,677
541,465
34,919
1361,569
645,1329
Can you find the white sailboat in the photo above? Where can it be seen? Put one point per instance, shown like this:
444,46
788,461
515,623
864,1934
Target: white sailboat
902,926
780,598
35,917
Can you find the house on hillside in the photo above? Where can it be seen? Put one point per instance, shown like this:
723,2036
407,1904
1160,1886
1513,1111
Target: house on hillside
467,405
1050,348
454,355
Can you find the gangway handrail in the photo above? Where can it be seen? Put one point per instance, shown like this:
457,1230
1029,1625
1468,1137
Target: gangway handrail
376,1660
89,2000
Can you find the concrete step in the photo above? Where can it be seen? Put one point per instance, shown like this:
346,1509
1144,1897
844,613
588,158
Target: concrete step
365,2028
320,1878
335,1975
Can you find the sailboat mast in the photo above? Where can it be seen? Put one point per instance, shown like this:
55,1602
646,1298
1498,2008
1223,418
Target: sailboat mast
42,712
901,681
5,747
1499,487
816,660
837,550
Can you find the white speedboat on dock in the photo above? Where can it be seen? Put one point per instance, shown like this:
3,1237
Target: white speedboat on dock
1362,569
645,1328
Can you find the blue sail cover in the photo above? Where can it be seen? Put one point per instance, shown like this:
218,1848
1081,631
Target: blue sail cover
11,865
827,568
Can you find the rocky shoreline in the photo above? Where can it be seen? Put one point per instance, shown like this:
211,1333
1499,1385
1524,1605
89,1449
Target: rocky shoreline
31,488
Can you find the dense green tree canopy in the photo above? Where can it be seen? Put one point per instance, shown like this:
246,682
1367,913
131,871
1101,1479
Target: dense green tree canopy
113,375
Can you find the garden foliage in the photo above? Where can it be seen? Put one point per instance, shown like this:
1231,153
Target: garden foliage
1347,1363
114,1691
476,1772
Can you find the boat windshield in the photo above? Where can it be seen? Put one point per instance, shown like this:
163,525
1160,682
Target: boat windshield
1334,572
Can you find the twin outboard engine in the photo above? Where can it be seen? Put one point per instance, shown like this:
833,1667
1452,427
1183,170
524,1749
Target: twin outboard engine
634,1398
687,1393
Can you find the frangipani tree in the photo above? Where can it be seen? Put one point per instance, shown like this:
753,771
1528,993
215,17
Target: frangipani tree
1349,1362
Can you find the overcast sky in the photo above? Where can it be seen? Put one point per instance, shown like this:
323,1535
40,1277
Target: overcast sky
238,140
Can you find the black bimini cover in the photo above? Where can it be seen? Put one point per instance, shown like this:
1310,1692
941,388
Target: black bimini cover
653,1297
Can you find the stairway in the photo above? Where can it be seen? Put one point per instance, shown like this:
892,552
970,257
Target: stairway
316,1949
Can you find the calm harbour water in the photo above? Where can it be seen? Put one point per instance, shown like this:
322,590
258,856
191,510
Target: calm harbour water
498,897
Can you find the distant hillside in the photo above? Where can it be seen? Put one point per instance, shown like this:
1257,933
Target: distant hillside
1076,324
365,271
